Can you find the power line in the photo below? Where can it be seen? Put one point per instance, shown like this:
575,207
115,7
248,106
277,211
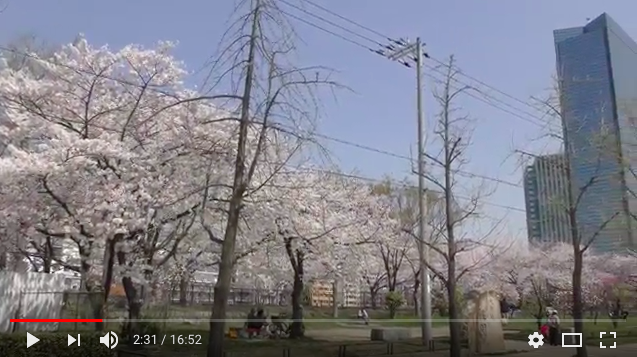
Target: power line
407,158
366,28
530,118
406,185
330,22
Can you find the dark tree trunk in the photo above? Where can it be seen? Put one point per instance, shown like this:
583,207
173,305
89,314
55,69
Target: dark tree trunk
240,182
133,300
373,295
455,327
335,298
222,287
183,289
297,330
578,306
415,295
4,259
94,294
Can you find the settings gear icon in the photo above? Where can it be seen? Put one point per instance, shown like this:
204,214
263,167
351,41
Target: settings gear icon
536,340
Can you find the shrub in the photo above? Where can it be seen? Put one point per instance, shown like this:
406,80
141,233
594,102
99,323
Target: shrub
53,344
393,301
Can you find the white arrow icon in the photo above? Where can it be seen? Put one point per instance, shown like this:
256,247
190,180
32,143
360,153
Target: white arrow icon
31,340
71,340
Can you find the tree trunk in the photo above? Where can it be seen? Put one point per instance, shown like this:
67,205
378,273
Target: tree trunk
455,328
183,289
226,265
95,297
134,309
4,255
373,295
578,307
335,298
416,297
133,300
392,312
96,301
222,287
297,330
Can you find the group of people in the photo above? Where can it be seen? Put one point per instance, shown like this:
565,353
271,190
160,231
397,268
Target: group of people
255,322
551,329
257,325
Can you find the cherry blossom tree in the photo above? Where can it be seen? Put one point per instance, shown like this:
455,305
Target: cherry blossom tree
324,220
373,274
104,144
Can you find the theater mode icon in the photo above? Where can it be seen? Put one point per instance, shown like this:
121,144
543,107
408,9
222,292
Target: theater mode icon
109,340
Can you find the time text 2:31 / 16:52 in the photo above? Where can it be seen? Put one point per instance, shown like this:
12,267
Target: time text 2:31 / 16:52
161,340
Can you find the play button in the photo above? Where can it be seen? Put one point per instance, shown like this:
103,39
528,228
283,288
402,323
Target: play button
31,340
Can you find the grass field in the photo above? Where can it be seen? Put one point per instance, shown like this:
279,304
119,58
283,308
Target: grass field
304,348
193,317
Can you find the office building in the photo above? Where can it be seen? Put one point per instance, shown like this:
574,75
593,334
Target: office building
597,77
546,196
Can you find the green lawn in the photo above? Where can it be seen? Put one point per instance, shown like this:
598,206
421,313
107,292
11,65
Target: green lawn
305,348
315,318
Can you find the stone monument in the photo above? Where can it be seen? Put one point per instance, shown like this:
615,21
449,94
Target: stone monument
483,326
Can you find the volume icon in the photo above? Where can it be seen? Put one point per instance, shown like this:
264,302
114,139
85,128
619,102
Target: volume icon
109,340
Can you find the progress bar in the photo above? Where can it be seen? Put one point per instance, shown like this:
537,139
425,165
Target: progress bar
56,320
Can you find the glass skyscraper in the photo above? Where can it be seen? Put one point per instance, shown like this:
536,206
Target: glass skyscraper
597,77
546,196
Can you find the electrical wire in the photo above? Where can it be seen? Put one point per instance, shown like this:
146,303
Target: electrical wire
464,173
406,185
485,97
366,28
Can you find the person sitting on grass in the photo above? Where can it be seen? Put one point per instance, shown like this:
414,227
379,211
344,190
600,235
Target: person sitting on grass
255,323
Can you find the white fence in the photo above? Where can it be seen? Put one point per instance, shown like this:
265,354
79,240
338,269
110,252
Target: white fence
29,296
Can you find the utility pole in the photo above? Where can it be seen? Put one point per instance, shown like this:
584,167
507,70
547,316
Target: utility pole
404,52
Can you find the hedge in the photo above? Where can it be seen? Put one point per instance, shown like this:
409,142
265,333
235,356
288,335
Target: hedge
53,345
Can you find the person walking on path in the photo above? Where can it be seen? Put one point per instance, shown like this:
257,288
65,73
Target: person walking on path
554,329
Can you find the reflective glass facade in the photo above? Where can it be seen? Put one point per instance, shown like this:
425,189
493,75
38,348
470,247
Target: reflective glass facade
597,72
546,195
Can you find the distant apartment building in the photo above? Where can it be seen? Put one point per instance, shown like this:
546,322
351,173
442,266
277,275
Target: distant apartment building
597,76
322,294
546,196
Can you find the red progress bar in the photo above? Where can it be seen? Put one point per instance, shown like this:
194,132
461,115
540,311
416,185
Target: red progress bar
56,320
